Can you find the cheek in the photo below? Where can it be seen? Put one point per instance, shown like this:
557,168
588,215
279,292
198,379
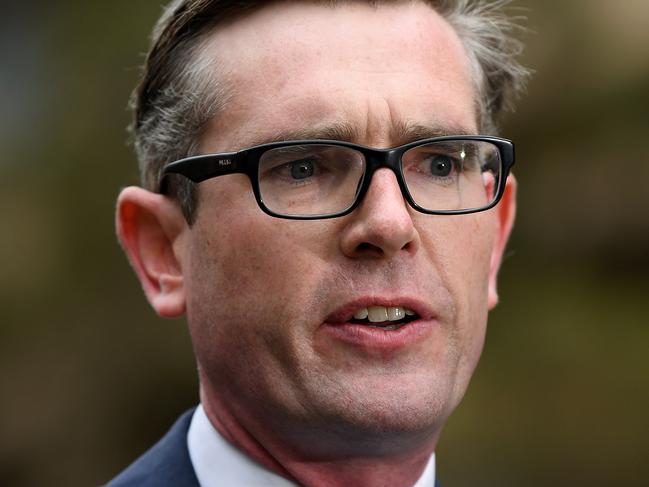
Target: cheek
254,273
461,249
252,284
478,242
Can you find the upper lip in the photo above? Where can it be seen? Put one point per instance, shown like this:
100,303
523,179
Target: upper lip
346,312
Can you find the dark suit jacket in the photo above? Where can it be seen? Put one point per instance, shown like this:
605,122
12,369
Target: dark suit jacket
167,464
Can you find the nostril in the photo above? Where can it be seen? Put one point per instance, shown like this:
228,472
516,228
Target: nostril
368,248
407,245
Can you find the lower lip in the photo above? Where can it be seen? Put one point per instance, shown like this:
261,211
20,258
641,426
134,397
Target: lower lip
379,339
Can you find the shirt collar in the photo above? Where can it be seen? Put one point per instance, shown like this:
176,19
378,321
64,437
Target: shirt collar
218,463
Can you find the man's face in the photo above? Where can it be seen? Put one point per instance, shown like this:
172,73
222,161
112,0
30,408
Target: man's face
269,301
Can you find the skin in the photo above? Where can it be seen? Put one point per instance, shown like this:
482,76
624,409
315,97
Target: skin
257,291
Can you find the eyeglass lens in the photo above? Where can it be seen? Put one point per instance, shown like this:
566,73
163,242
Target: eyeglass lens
319,179
452,175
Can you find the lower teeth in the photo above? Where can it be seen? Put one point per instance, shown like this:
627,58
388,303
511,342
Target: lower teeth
387,327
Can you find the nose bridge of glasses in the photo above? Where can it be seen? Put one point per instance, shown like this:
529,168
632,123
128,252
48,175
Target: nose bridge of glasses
384,158
376,159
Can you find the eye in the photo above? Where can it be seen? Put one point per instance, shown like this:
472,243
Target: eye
301,169
441,166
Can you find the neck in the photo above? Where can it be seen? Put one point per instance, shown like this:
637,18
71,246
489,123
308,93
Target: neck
319,462
370,471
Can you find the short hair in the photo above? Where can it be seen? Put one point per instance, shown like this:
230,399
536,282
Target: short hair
176,96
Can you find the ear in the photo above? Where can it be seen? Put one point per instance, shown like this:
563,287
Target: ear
150,228
505,214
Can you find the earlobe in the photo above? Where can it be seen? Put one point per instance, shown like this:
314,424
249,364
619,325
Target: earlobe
150,228
505,215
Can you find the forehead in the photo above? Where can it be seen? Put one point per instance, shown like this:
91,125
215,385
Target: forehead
301,67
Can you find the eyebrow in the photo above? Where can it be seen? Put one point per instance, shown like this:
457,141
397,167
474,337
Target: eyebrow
400,133
404,132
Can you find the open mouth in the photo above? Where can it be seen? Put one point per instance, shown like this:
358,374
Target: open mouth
386,318
386,328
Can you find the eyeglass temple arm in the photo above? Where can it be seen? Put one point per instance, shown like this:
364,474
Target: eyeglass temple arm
200,168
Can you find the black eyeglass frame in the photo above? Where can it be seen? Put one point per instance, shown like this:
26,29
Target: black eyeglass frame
202,167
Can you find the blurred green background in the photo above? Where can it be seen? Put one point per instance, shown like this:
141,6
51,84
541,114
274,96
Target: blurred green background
90,377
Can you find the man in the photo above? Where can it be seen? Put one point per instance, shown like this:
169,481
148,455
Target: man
336,292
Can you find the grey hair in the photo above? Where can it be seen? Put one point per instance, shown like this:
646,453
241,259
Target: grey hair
487,35
178,95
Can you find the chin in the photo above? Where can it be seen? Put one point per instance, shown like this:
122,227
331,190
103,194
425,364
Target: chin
387,414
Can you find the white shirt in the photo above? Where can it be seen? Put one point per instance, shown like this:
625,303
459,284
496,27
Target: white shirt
217,463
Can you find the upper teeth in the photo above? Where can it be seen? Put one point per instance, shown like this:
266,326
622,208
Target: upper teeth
378,314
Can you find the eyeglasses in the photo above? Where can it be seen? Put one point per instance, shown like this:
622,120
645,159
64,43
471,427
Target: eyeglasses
316,179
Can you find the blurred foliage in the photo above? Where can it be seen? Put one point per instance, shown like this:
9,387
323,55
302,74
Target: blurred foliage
90,377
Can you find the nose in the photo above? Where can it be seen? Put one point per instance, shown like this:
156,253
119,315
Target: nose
381,226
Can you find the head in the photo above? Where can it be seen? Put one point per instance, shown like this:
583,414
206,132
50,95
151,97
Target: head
269,302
